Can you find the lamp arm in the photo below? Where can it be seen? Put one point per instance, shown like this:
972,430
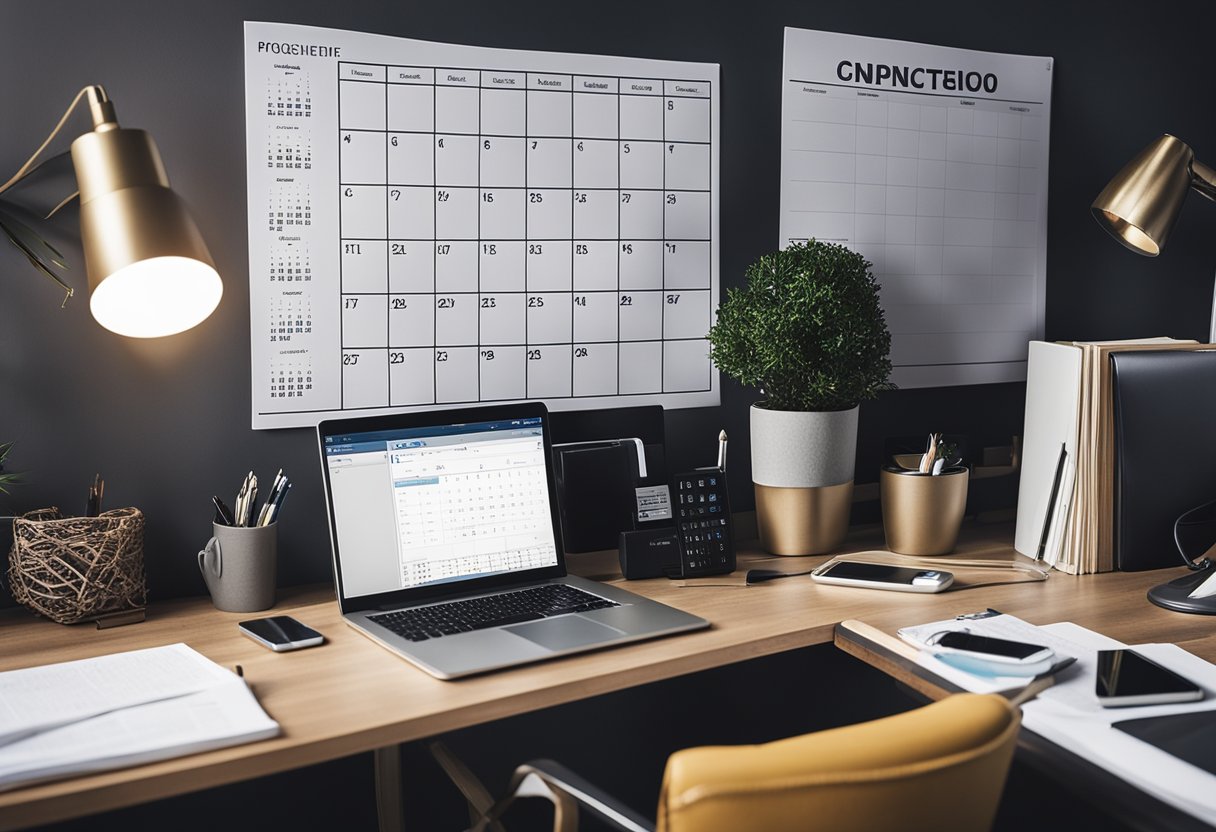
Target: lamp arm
1203,179
103,112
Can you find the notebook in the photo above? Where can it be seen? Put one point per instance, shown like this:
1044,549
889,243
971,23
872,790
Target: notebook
446,543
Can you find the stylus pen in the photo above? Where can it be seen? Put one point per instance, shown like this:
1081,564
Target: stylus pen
722,451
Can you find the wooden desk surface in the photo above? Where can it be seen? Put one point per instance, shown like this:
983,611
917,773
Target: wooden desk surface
350,695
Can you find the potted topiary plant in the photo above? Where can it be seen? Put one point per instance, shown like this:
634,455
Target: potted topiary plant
808,330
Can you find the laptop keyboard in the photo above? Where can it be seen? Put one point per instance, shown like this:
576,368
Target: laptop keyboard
545,601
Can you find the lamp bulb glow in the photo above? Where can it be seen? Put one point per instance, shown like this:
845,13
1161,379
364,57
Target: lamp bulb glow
157,297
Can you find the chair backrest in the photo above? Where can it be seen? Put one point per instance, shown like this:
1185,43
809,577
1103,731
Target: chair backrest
940,767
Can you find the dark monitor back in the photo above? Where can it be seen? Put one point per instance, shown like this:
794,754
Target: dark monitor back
1165,450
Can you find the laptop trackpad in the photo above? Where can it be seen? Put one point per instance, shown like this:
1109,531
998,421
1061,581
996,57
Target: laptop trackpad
565,632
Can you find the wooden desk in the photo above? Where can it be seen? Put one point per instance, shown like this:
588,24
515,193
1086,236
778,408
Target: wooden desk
350,696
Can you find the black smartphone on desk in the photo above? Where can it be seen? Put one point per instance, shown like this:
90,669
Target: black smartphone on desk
281,633
882,576
1126,678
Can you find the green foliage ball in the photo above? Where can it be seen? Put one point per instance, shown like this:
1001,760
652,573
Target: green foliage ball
807,329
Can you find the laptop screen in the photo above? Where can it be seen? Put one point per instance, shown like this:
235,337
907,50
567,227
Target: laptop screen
423,506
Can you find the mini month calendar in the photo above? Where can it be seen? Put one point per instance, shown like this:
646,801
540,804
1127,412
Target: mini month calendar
436,225
932,163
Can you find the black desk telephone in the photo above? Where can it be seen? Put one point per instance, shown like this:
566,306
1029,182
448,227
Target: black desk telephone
700,543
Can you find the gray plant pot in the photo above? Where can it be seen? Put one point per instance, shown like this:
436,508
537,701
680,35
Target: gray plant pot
802,469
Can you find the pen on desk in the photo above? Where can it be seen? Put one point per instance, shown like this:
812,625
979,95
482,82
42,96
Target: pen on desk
722,451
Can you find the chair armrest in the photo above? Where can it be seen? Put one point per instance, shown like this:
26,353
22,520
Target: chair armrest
591,797
567,791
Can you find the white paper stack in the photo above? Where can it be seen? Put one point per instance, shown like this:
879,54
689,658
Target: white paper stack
1070,715
120,710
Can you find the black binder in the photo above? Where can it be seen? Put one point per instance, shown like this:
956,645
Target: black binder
596,465
1165,450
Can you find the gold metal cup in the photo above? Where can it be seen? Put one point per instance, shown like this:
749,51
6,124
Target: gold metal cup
921,514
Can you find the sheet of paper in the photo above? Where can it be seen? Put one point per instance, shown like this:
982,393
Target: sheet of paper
37,698
1087,732
1064,642
1070,715
435,224
223,714
932,163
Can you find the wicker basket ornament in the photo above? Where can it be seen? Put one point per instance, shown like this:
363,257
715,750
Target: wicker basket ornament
74,569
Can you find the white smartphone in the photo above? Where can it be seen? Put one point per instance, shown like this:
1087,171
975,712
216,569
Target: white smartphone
1016,654
1126,678
882,576
281,633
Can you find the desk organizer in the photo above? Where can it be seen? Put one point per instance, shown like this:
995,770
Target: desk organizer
74,569
921,514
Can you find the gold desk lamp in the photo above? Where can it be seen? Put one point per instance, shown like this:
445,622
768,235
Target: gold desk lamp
150,273
1139,207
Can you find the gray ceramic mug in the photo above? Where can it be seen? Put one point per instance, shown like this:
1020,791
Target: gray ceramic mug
238,564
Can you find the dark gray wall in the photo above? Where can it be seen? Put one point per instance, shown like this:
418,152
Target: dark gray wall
167,422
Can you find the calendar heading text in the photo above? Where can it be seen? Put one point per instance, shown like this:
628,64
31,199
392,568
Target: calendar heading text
954,80
309,50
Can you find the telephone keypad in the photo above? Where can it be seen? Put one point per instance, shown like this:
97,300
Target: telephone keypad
703,524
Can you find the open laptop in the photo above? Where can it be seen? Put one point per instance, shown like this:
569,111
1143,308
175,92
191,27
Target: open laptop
447,548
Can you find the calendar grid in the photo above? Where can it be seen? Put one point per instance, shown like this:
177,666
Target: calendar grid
663,273
620,241
497,293
434,245
574,246
388,322
481,194
942,187
341,357
473,233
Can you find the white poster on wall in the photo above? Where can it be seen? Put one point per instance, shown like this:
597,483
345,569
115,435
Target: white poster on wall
932,163
435,225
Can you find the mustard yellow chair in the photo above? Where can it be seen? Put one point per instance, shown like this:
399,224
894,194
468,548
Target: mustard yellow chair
940,767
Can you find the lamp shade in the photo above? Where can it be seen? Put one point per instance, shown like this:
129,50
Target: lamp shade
1140,205
150,273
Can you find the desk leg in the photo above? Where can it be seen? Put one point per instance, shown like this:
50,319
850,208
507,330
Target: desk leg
389,806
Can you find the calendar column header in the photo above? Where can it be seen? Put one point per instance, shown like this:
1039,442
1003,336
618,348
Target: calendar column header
503,80
360,72
457,77
411,75
556,83
585,83
687,89
641,86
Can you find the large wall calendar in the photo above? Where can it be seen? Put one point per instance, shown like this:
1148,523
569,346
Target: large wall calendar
437,225
932,163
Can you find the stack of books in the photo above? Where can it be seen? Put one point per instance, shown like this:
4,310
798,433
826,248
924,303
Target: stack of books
1066,494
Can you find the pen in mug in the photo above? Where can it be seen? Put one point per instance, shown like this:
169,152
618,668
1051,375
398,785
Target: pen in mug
272,500
222,513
